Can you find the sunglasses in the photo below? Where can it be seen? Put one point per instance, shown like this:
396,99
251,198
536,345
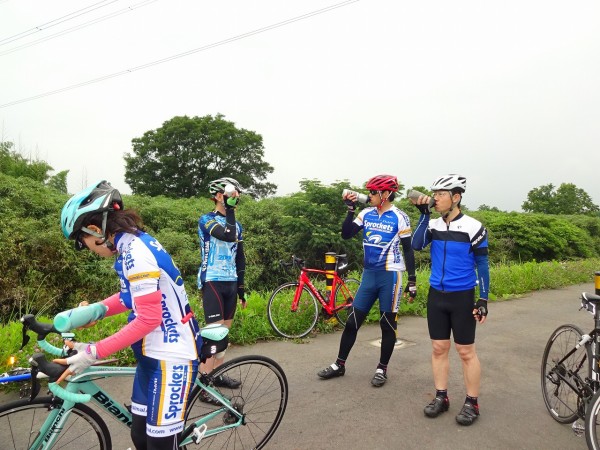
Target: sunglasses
79,243
373,192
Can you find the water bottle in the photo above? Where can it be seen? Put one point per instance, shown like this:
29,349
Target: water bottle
416,194
228,191
78,317
360,198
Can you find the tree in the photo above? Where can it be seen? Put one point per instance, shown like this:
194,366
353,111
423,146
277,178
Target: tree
15,165
567,199
180,158
59,181
485,207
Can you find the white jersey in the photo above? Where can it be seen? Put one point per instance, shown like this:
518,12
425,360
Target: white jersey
144,267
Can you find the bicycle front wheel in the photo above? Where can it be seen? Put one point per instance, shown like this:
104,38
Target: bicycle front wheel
562,377
344,295
261,398
291,323
21,421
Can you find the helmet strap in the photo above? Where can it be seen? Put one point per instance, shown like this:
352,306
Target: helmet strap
381,200
454,205
103,235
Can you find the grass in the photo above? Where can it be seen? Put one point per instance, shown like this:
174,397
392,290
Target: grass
251,324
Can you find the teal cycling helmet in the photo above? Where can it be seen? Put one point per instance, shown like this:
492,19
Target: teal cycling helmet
99,197
216,186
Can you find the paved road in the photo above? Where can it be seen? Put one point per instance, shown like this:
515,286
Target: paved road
348,413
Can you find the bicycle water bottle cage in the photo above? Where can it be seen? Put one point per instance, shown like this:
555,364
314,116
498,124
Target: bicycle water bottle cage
199,433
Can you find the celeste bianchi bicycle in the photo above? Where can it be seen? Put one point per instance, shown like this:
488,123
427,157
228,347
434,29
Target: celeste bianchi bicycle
216,417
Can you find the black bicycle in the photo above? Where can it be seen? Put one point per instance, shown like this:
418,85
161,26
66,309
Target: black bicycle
570,371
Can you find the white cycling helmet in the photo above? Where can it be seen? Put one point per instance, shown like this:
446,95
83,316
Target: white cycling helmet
450,182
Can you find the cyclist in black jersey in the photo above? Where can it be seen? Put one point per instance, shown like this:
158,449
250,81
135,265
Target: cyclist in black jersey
386,230
459,262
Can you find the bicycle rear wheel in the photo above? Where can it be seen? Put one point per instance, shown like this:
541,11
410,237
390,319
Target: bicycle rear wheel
262,398
345,296
288,323
560,379
592,423
20,423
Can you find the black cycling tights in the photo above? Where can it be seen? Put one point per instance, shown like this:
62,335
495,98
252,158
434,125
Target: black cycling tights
144,442
389,324
355,320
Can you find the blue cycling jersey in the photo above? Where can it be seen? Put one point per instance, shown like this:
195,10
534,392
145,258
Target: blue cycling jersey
457,249
381,237
218,258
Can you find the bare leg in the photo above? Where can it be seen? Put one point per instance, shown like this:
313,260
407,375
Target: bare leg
471,368
440,363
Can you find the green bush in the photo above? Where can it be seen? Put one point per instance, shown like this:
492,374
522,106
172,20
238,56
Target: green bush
251,324
40,271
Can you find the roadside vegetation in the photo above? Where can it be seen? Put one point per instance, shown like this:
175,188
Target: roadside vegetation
42,274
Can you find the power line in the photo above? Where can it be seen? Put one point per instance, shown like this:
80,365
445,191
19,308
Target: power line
187,53
78,27
55,22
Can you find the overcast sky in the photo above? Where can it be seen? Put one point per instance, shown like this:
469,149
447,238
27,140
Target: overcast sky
506,93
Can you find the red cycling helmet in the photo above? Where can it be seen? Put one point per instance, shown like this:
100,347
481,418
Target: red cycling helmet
383,183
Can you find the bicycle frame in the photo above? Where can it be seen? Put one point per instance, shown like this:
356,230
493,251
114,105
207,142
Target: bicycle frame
585,388
304,280
84,383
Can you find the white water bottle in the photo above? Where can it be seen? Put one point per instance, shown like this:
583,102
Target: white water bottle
229,189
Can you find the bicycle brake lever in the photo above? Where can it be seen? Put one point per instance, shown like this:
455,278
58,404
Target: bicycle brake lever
26,337
35,383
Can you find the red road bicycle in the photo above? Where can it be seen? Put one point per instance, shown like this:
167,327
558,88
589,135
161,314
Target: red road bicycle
293,308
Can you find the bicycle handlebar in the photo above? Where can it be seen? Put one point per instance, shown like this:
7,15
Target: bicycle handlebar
49,348
295,262
39,363
74,397
300,263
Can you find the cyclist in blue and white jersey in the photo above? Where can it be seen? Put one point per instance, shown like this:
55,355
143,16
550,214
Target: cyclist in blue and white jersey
388,254
164,339
459,262
222,266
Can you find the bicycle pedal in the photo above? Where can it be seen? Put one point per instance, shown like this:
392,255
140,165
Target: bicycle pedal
578,428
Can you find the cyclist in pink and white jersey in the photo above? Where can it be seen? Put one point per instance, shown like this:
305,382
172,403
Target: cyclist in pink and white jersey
164,345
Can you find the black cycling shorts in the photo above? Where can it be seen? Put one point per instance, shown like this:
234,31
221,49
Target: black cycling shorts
219,300
451,311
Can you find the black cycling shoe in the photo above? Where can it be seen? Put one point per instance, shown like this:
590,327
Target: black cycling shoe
379,378
205,397
226,381
437,406
331,372
468,414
